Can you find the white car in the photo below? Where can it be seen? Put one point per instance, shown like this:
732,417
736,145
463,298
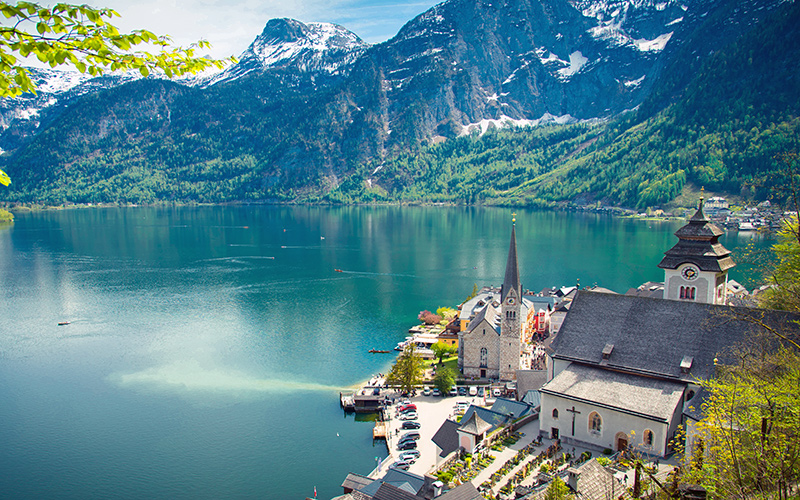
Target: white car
496,392
411,415
409,456
426,391
473,391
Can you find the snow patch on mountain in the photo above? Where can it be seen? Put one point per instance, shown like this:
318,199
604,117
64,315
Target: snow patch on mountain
632,84
674,21
55,82
576,62
506,121
656,45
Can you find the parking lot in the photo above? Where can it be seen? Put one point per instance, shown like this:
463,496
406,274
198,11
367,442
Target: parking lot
431,413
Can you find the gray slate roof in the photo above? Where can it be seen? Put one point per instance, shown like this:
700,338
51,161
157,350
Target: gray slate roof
488,313
487,415
511,280
652,336
446,438
465,491
399,478
511,407
594,483
642,396
356,481
390,492
474,425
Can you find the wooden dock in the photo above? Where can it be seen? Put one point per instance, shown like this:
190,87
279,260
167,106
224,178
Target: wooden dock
380,430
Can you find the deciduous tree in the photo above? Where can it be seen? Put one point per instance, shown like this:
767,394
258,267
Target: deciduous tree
444,379
407,371
81,36
751,425
441,350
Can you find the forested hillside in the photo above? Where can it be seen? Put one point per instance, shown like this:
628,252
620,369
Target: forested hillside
722,132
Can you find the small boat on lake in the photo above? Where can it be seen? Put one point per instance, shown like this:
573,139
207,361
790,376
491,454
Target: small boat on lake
378,351
338,270
62,323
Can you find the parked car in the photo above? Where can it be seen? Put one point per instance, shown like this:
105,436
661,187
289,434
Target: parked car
473,391
436,392
410,435
410,424
462,391
481,392
410,406
411,415
426,391
453,391
496,392
400,464
410,456
404,442
408,445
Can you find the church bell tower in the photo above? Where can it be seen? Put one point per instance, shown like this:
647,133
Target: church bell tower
511,309
696,268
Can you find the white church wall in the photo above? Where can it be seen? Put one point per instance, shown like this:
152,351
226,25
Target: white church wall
612,424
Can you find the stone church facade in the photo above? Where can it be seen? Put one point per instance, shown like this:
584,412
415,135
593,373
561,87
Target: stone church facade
491,346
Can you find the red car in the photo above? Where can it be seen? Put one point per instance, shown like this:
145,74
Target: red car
410,406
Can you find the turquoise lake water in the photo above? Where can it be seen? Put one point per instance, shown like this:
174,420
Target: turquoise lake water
207,346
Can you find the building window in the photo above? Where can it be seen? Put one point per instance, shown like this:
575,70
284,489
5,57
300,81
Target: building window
595,423
484,357
647,437
555,413
688,292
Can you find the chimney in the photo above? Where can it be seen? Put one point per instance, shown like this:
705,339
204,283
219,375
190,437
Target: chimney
437,488
573,474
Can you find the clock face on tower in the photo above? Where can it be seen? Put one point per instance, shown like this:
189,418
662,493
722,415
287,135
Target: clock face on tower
690,273
510,301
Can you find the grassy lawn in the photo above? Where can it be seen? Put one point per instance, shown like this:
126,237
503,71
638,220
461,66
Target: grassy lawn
451,362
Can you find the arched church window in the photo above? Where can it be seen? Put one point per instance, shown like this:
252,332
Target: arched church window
647,437
484,357
555,413
595,422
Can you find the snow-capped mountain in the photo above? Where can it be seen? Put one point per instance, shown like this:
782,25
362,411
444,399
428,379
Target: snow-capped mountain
312,49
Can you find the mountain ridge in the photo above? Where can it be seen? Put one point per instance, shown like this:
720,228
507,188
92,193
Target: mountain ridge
300,126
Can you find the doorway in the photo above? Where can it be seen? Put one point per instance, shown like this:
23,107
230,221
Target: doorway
622,441
554,433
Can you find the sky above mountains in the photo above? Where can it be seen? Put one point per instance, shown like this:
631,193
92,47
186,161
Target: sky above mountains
231,25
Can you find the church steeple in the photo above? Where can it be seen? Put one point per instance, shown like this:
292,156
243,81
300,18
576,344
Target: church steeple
511,280
511,314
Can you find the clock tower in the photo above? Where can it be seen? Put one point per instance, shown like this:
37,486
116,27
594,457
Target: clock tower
696,268
511,310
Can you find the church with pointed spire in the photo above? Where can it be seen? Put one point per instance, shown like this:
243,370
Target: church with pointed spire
491,347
